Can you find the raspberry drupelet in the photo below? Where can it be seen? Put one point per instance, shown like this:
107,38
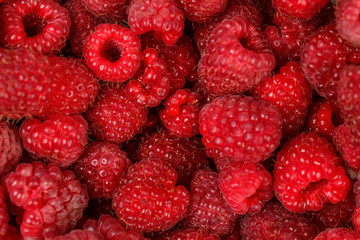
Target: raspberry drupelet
111,10
199,10
299,9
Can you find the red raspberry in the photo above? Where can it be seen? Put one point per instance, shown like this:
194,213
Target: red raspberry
4,216
192,234
236,58
291,93
246,186
108,9
347,20
274,222
10,147
308,174
208,209
147,199
184,154
151,83
199,10
299,9
52,200
240,127
162,17
40,25
80,235
113,52
356,218
114,117
101,166
60,139
338,233
181,113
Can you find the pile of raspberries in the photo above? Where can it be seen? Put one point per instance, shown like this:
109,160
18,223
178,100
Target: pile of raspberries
179,120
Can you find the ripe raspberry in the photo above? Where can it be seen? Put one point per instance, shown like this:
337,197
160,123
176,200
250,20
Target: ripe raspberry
236,58
240,127
147,199
10,147
299,9
246,186
208,209
52,200
41,25
338,233
151,83
101,166
162,17
112,52
192,234
308,174
181,113
184,154
291,93
80,235
274,222
356,218
60,139
347,20
114,117
4,216
201,10
108,9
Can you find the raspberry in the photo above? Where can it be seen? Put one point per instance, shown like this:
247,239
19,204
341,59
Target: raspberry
201,10
162,17
274,222
299,9
347,21
112,52
246,186
291,93
356,218
181,115
236,58
4,216
151,83
192,234
184,154
40,25
52,200
208,209
241,128
10,147
108,9
114,117
60,139
80,235
338,233
12,233
147,199
101,165
308,174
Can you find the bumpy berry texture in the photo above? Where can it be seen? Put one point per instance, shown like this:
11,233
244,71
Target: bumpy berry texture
299,9
308,174
338,233
274,222
147,198
201,10
347,20
10,147
52,200
114,117
4,216
112,52
246,186
78,234
192,234
236,58
101,166
184,154
164,18
291,93
240,127
208,209
60,139
181,113
108,9
40,25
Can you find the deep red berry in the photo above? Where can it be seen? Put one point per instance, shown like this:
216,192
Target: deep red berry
308,174
356,218
108,9
113,52
347,20
78,234
192,234
299,9
246,186
241,128
101,166
147,199
40,25
4,216
162,17
338,233
236,58
199,10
